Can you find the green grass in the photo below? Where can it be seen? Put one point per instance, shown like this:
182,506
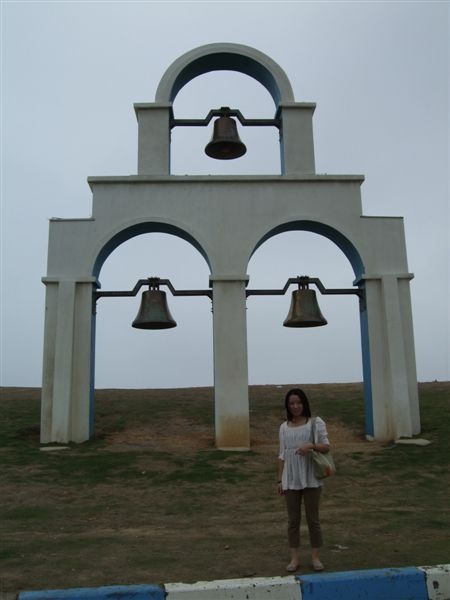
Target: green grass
149,499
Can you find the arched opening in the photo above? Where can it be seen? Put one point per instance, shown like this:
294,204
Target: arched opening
283,355
133,358
219,57
212,91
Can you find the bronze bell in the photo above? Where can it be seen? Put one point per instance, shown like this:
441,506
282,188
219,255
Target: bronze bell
304,311
225,143
154,312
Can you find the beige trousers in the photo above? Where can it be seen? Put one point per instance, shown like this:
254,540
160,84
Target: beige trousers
311,500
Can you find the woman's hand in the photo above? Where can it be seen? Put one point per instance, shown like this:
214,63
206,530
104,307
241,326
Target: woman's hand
303,450
280,490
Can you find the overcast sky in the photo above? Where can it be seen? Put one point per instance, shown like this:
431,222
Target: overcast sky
71,71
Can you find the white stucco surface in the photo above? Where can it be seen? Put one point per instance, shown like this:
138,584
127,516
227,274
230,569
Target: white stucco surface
226,218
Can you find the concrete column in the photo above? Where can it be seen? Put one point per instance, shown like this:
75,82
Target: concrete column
48,369
153,138
389,357
230,363
296,138
67,389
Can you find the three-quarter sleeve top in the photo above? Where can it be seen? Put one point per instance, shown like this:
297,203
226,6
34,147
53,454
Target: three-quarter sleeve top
298,472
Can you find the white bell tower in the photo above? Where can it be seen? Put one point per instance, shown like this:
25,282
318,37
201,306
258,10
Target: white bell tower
226,218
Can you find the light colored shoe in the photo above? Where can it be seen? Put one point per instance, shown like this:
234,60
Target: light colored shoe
292,566
317,565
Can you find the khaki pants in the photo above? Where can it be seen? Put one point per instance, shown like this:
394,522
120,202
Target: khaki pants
311,500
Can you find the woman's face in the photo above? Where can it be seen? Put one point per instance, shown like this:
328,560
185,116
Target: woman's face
295,405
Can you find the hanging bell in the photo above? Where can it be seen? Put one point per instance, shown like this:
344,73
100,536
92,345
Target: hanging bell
304,311
154,312
225,143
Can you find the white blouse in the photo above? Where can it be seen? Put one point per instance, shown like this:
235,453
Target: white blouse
298,472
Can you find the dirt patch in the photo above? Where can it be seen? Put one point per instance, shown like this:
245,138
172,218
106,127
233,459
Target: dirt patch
175,435
344,439
172,435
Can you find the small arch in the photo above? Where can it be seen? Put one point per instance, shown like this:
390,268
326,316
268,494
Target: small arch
343,243
138,229
225,88
221,57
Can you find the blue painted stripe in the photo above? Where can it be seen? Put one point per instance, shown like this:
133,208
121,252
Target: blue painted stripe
117,592
367,373
377,584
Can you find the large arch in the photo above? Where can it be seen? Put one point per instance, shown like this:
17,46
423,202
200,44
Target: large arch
354,260
106,247
145,226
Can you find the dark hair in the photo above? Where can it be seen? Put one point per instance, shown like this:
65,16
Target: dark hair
304,399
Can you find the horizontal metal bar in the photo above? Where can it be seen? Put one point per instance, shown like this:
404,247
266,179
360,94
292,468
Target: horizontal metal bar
193,293
246,123
228,113
270,292
154,282
265,292
119,293
305,281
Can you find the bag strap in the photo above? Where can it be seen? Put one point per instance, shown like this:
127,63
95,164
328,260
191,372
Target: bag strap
313,430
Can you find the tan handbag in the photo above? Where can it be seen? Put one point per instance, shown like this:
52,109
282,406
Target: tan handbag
323,463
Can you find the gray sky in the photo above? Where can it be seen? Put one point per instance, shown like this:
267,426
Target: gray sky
71,71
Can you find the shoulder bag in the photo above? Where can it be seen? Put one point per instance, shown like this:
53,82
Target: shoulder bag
323,464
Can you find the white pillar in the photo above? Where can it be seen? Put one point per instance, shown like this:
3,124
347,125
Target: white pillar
230,363
153,138
296,138
67,389
391,356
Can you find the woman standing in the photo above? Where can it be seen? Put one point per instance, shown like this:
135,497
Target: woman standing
296,479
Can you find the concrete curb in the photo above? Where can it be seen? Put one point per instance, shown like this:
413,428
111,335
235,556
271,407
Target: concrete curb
256,588
114,592
438,582
378,584
409,583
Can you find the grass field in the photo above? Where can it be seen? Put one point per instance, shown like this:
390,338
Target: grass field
149,499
